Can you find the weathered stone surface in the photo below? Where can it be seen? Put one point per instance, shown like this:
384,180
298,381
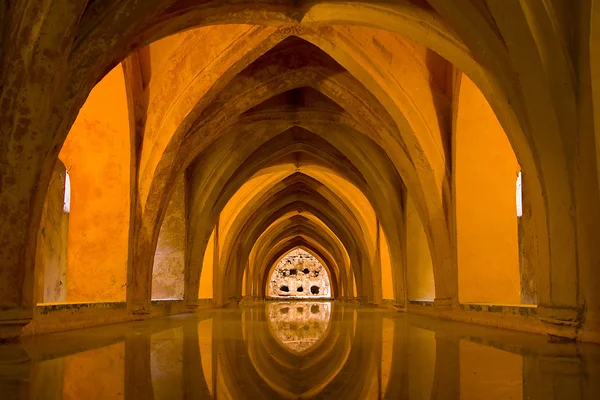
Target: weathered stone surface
169,260
299,274
51,259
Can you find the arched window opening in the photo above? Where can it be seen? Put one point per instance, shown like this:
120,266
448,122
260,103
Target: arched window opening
519,196
67,197
299,275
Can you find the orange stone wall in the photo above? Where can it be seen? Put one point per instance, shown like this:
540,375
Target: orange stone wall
97,156
486,210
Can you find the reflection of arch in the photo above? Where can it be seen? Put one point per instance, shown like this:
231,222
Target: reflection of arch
291,340
307,269
277,366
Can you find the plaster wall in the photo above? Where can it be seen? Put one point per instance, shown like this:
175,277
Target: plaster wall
419,268
486,215
97,156
158,53
51,256
245,194
206,278
169,259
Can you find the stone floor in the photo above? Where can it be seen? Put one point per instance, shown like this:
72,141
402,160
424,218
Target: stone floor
297,350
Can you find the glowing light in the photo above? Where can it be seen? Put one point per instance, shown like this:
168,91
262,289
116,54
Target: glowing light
519,196
67,198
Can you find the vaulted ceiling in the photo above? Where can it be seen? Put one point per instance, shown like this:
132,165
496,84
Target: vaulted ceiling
303,123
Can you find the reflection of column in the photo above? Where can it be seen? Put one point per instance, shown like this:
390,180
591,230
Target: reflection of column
446,382
138,376
556,378
15,371
194,382
47,380
397,387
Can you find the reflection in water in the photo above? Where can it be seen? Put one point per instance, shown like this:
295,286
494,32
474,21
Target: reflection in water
266,352
299,325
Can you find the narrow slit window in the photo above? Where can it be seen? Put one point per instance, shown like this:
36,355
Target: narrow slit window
519,196
67,198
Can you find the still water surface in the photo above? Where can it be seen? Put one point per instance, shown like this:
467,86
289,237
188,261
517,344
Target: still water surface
297,350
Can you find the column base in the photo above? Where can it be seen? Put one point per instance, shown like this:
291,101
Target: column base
248,300
12,329
12,322
444,303
563,322
140,309
191,306
234,302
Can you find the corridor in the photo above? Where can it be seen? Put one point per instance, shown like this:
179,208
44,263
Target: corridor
298,350
263,199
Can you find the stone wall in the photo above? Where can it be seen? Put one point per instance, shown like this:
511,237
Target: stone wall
299,274
51,256
169,259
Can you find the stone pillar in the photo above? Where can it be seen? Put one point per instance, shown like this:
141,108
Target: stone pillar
51,254
169,274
